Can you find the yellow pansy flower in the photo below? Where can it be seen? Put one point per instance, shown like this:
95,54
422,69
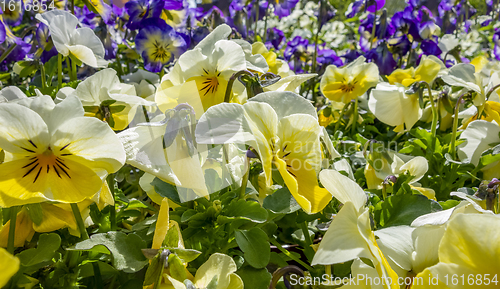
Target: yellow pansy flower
219,267
469,248
53,152
491,113
391,105
201,75
349,82
283,128
426,71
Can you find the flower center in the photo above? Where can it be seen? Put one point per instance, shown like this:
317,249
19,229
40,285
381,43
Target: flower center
44,163
348,87
160,53
211,82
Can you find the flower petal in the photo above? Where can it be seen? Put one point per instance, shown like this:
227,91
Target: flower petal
343,189
92,140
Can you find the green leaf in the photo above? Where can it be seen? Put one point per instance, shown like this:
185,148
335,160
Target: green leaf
249,210
188,214
255,278
126,249
35,212
255,247
172,238
51,67
166,190
44,252
154,271
403,209
281,202
108,102
177,269
116,108
186,255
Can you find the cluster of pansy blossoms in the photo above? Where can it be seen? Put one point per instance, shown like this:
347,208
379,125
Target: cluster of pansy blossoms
243,144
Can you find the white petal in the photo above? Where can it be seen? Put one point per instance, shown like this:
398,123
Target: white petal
86,37
89,90
426,242
224,123
417,167
479,134
92,140
343,189
12,93
286,103
392,106
227,57
289,83
396,244
345,240
207,44
20,124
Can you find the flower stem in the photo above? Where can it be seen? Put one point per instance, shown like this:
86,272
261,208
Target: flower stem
344,109
355,119
70,71
455,126
74,70
244,181
434,115
229,88
43,76
112,213
59,71
12,229
7,52
291,256
305,231
79,221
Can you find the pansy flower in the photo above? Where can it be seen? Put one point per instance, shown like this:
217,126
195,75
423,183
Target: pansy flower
283,128
283,8
204,72
158,43
139,10
15,16
80,43
53,152
343,84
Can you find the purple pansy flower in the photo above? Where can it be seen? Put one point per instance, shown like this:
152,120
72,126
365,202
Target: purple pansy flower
139,10
158,43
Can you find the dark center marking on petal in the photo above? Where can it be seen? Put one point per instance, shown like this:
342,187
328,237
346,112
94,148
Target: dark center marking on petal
37,174
31,142
28,150
64,147
36,165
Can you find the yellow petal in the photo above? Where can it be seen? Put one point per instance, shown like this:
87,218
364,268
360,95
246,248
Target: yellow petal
8,266
162,224
24,230
50,180
219,265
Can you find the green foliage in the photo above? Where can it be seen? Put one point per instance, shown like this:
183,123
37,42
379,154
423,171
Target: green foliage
255,246
125,249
